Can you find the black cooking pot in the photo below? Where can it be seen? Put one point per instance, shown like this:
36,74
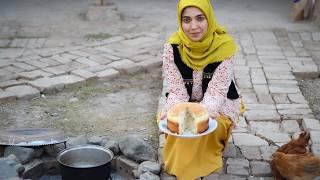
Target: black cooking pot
88,162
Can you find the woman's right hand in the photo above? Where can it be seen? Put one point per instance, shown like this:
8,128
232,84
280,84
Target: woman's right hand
163,116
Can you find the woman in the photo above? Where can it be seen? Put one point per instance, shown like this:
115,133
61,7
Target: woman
198,66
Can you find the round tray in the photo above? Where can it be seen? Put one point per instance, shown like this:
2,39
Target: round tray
32,137
212,126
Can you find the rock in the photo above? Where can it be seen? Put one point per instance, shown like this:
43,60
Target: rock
77,141
149,176
50,165
23,154
8,169
53,150
149,166
38,152
137,149
95,140
33,169
113,146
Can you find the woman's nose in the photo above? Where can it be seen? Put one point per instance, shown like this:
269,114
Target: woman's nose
194,24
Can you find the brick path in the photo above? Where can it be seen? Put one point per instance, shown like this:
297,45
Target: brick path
267,63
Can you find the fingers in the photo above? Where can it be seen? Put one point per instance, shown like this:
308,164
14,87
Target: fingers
163,116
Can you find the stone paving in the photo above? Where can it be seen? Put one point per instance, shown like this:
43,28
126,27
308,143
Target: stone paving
268,64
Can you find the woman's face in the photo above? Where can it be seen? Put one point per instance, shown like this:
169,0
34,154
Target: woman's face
194,23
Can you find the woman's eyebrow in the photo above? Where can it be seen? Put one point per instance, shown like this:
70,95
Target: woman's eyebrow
199,15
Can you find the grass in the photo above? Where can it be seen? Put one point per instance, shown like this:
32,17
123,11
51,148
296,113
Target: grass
99,36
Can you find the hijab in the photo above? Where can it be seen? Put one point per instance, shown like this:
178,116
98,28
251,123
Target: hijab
215,46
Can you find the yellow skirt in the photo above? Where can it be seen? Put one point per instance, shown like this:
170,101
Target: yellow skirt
191,158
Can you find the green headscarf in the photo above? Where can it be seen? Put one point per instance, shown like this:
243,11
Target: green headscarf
215,46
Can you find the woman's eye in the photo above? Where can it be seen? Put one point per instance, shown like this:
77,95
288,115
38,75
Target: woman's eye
200,18
186,19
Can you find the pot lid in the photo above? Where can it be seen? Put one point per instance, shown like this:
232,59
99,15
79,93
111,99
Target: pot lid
32,137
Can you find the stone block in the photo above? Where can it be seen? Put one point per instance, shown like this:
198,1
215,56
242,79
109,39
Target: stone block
251,152
162,140
314,135
38,63
55,70
292,106
315,149
265,98
311,124
244,83
95,69
258,114
230,151
99,59
7,96
125,166
260,168
290,126
245,139
130,69
33,169
149,65
267,151
110,57
238,166
49,61
87,62
33,75
264,126
24,91
275,137
24,66
108,74
283,82
281,98
79,53
138,41
299,112
249,98
48,85
87,75
120,64
284,89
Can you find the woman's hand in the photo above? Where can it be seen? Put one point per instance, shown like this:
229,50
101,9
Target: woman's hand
163,116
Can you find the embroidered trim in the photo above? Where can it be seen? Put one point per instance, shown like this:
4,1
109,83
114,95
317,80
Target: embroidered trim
188,81
207,75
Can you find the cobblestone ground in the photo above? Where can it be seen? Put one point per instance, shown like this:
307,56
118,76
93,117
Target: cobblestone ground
269,62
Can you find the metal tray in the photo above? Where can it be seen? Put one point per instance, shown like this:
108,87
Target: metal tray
32,137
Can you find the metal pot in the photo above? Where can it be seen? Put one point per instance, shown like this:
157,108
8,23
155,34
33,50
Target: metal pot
85,162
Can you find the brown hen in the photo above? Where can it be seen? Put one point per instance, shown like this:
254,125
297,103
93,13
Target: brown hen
295,146
297,166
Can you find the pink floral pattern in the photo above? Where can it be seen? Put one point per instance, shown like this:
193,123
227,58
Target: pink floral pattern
215,98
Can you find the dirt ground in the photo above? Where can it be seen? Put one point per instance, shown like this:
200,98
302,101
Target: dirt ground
127,105
310,90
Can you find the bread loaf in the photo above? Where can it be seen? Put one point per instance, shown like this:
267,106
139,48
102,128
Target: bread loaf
188,117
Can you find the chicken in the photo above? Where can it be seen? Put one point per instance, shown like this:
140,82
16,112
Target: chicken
297,166
295,146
